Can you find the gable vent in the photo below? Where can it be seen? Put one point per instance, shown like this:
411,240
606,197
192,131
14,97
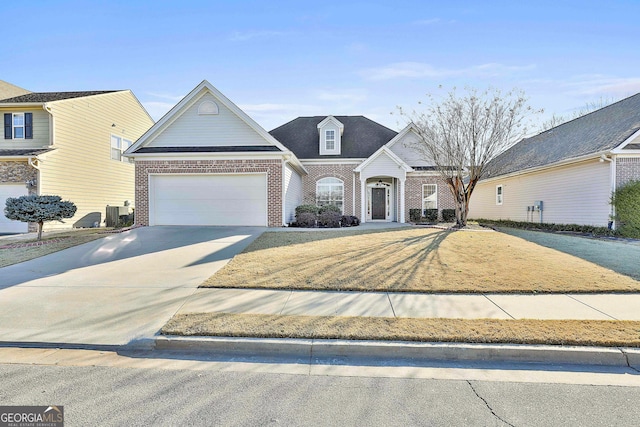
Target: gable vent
207,108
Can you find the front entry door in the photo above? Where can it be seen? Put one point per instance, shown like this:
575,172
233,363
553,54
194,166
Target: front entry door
378,203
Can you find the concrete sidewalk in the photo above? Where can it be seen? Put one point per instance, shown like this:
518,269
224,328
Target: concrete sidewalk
387,304
345,352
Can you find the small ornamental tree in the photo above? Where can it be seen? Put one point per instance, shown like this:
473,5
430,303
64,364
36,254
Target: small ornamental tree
38,209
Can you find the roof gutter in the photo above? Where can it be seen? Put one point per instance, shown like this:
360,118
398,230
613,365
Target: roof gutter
21,104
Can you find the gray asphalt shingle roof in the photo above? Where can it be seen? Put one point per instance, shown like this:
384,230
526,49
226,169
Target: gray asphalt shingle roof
34,97
598,131
360,139
20,152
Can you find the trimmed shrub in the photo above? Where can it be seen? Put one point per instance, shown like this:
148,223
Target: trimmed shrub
313,209
572,228
448,215
305,219
349,221
415,215
329,219
431,215
626,201
329,208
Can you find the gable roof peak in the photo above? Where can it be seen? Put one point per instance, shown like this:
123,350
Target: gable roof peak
331,119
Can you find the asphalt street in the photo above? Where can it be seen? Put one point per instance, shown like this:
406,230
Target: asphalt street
111,396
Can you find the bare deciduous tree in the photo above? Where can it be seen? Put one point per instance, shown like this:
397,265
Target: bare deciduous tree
459,135
557,120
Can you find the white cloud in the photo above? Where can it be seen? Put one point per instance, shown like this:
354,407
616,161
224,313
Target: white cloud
265,108
336,95
424,70
174,98
603,85
157,109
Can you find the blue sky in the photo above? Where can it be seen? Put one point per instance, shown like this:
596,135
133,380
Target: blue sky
281,59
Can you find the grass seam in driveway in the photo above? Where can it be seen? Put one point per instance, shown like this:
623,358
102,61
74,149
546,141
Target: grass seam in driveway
602,333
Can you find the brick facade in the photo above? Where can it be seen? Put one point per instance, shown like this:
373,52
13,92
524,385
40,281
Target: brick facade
343,172
413,193
627,169
272,167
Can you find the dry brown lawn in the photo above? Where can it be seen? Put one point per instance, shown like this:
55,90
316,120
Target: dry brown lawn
558,332
413,260
50,243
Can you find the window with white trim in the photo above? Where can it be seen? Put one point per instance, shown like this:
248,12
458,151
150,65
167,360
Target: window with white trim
429,197
499,194
118,146
330,140
330,191
18,126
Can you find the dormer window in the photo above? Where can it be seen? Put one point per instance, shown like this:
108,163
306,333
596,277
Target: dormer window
330,133
330,140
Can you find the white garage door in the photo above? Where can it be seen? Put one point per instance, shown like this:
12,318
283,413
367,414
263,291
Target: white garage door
232,199
7,225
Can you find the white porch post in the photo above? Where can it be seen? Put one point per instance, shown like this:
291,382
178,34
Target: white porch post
402,220
363,201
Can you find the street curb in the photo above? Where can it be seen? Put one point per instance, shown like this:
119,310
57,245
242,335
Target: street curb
633,357
320,349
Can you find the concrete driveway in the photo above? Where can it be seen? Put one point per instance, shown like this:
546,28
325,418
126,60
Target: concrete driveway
119,290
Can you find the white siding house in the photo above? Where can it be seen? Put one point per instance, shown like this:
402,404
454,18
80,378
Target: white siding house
572,169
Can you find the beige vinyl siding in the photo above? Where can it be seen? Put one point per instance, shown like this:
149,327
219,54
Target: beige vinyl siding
192,129
574,194
41,135
403,149
292,193
80,169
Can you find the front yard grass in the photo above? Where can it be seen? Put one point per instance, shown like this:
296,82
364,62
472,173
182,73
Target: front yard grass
413,260
20,250
553,332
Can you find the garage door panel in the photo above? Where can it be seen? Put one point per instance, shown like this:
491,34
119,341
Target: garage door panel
232,199
7,225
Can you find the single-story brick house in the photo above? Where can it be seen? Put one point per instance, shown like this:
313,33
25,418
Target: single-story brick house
565,175
206,162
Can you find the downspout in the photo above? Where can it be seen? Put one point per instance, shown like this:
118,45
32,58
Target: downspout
47,108
33,162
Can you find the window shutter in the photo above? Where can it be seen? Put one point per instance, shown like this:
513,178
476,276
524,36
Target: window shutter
8,129
28,125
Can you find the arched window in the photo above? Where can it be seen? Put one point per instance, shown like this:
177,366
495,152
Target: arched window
330,191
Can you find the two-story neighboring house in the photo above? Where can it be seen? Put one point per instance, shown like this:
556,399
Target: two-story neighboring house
69,144
208,163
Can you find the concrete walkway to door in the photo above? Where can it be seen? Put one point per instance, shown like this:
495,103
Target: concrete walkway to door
119,290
